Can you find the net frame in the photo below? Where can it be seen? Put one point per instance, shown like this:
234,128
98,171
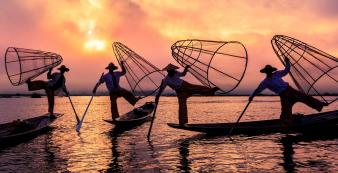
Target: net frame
123,53
203,75
22,55
280,46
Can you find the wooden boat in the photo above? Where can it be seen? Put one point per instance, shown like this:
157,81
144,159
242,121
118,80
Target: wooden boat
308,123
135,117
21,130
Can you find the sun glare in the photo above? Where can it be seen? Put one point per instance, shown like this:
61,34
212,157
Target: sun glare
95,3
95,44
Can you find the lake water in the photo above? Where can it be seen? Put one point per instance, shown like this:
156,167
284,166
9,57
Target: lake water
170,150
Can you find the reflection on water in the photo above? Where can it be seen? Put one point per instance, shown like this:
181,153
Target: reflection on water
289,141
114,165
288,152
98,148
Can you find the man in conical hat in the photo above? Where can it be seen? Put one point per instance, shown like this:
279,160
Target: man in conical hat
288,95
55,86
183,89
112,80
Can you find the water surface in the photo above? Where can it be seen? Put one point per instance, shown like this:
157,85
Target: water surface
98,149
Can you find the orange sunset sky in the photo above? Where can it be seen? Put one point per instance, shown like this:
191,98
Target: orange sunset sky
82,31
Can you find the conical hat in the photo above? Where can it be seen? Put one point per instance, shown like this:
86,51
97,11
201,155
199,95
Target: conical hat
63,68
111,66
267,69
170,67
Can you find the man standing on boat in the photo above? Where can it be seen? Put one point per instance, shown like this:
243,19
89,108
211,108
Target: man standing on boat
55,86
183,89
288,95
112,80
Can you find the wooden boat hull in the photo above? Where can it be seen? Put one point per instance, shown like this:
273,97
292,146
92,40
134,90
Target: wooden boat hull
11,134
309,123
135,117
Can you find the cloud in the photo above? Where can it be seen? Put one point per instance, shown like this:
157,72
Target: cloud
327,8
150,27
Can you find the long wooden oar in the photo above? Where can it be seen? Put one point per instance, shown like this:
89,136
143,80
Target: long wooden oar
79,125
77,118
152,121
239,118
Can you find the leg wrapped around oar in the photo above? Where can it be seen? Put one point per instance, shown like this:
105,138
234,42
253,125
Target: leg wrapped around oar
291,96
128,96
184,92
37,85
197,89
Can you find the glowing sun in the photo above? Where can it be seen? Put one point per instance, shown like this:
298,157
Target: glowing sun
95,44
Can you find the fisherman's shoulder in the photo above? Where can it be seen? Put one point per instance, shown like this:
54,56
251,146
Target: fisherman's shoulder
278,73
55,74
118,73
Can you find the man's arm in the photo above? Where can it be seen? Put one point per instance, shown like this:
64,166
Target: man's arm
98,84
124,71
185,71
258,90
49,74
287,67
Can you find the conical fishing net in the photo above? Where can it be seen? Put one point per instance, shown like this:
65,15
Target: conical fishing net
23,64
143,77
313,71
214,63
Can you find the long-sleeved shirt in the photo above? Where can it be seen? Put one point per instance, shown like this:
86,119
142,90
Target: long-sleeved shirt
173,82
110,83
275,83
57,82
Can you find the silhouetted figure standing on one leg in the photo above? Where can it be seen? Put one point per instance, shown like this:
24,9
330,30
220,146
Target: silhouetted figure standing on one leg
112,80
288,95
55,86
183,89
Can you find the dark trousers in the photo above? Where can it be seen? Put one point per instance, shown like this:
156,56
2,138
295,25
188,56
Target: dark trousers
39,85
114,95
291,96
184,92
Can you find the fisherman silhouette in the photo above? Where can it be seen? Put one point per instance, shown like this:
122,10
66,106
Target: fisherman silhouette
183,89
55,86
288,95
112,80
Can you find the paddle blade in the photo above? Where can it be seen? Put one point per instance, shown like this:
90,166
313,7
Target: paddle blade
78,127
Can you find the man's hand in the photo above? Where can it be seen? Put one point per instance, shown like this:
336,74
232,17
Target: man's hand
251,98
66,92
94,90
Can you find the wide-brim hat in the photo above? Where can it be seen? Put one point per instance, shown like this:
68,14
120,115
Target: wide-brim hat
111,66
268,69
170,67
63,68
